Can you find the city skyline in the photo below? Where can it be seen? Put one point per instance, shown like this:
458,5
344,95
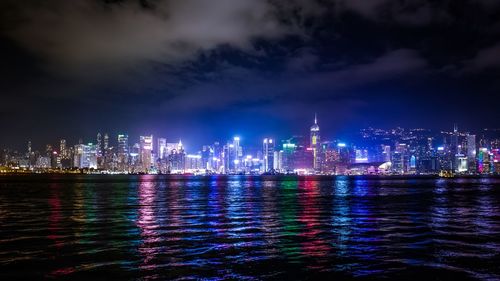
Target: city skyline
396,151
249,134
253,139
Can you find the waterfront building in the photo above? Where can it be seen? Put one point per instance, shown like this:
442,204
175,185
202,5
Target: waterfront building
454,148
193,163
99,145
288,152
268,155
315,140
162,148
62,148
177,159
43,162
122,153
397,162
145,154
471,153
85,156
106,142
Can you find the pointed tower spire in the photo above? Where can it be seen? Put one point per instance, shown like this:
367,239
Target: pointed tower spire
315,119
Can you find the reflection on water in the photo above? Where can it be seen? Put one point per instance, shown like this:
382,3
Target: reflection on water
149,227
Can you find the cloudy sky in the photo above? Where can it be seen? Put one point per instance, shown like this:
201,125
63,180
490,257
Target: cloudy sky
204,70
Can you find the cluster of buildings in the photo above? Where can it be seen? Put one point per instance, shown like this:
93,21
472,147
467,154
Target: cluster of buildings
393,152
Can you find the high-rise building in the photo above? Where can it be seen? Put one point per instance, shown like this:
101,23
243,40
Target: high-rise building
278,160
287,157
62,149
99,145
162,148
454,149
106,142
133,160
361,155
217,164
85,156
386,153
461,161
268,155
232,156
397,162
48,150
471,153
170,147
176,159
315,144
145,155
122,153
206,157
238,153
193,163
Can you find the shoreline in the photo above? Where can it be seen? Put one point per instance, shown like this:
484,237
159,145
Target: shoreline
31,177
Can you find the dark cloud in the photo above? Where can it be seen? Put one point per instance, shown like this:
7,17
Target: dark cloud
85,35
487,58
75,67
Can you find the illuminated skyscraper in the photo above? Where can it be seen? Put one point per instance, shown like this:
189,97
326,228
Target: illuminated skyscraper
217,159
85,156
162,148
62,149
122,153
238,153
287,157
106,142
315,145
145,155
471,153
133,158
454,148
176,159
386,153
400,159
268,154
99,145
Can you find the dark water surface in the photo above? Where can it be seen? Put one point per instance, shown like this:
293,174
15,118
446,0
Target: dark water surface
148,227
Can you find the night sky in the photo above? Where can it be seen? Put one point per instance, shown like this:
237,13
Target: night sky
207,70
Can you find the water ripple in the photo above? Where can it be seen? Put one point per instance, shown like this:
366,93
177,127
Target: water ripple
249,228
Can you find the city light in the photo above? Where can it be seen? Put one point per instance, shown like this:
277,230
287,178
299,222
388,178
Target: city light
394,152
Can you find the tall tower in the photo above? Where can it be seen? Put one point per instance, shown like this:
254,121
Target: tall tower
106,142
99,145
454,147
123,152
238,153
162,148
471,153
315,144
62,149
146,149
268,154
